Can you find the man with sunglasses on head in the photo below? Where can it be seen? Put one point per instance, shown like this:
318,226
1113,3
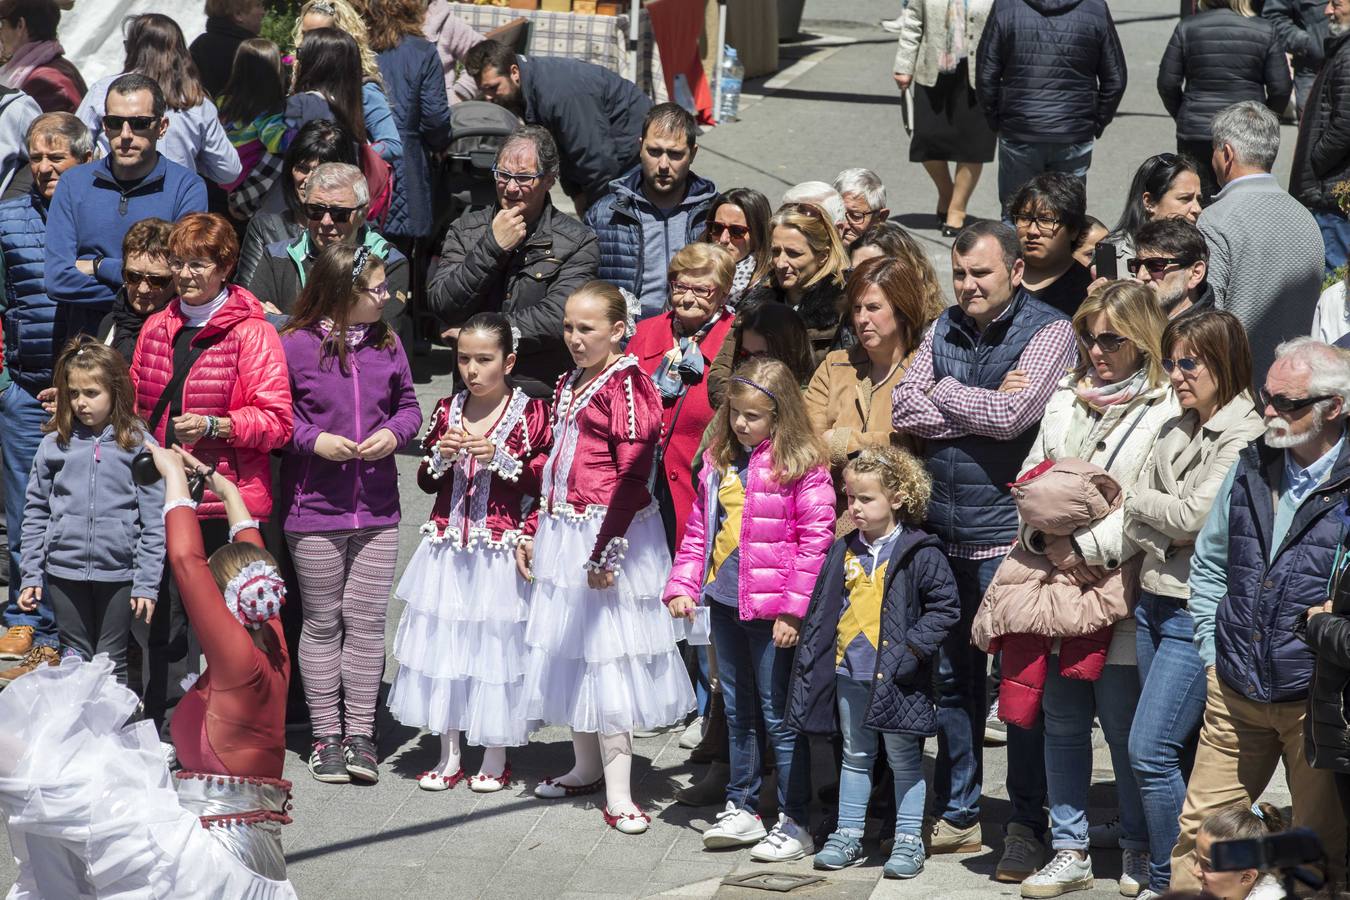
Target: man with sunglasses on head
36,329
522,257
1262,561
96,203
335,199
1171,257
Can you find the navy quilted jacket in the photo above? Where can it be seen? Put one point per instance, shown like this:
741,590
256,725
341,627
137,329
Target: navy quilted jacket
1257,649
921,605
35,329
1050,71
415,85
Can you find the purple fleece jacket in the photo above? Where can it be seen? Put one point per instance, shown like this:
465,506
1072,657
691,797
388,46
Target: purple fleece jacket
376,392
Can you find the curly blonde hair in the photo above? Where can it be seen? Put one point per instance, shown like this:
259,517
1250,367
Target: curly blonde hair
899,473
345,18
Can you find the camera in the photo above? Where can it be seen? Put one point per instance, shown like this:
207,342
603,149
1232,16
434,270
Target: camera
1274,852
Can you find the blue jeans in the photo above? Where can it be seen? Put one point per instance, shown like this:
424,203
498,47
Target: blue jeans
958,773
21,419
755,674
1335,236
904,751
1166,722
1019,162
1068,708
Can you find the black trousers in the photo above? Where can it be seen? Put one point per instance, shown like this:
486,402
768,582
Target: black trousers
93,617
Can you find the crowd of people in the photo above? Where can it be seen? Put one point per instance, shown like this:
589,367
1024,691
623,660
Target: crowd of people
713,464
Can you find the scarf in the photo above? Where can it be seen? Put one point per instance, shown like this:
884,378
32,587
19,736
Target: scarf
353,335
126,326
1098,395
684,360
745,269
197,316
950,56
27,58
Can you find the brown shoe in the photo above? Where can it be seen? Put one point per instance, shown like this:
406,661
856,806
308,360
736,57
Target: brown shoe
17,642
38,656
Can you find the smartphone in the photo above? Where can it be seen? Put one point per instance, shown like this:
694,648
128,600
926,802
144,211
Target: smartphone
1104,261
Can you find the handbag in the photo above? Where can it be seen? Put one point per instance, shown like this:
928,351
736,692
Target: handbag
380,179
143,468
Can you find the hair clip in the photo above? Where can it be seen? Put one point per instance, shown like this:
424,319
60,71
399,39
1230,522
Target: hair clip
763,390
359,261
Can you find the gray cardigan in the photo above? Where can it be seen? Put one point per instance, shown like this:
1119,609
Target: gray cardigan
923,34
86,520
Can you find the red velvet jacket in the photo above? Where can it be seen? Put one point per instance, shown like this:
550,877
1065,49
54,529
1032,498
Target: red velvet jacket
243,376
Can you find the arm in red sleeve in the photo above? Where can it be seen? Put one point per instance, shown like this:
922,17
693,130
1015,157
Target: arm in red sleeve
440,419
635,428
539,433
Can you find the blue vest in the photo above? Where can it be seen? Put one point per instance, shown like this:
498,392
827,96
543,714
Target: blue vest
1257,652
34,328
970,502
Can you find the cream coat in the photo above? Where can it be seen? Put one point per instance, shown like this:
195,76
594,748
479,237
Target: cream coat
1177,488
923,32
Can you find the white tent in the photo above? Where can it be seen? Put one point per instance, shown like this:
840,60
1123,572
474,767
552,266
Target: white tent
91,31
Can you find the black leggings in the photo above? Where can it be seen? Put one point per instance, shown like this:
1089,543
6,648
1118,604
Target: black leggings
93,617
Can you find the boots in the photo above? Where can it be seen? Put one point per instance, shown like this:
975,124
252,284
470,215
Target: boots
710,791
713,746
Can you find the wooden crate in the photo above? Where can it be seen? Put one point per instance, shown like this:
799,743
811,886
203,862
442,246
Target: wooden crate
556,5
608,8
586,7
522,4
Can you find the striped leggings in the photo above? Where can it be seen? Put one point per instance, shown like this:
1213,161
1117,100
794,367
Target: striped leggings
345,579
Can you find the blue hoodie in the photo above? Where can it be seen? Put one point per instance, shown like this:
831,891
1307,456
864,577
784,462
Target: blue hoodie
91,213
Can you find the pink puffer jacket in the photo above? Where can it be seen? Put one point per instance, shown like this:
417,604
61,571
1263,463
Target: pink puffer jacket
243,376
786,531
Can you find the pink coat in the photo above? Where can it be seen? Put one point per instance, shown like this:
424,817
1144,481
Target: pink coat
786,531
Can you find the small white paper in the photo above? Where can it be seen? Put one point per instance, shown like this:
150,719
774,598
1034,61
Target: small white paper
697,630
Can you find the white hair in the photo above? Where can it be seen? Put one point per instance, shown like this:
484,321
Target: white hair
822,195
863,182
1328,367
334,176
1252,130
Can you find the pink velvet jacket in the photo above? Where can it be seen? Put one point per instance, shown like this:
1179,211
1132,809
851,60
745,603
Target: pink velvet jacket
786,531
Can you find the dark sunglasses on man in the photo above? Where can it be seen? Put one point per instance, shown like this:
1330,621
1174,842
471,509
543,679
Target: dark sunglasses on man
113,124
341,214
132,278
1282,404
1156,265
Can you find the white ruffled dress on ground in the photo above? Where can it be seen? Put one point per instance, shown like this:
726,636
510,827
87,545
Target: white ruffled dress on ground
90,806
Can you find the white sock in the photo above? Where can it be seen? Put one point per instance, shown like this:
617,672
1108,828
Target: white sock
587,767
494,762
617,752
450,761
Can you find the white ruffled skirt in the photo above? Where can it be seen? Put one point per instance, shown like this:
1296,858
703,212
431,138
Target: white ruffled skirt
89,803
602,661
461,644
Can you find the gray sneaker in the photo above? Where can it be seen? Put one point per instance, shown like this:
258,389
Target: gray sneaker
1133,872
1062,875
1023,854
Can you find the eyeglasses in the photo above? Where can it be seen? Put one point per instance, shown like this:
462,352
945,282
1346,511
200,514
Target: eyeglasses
737,232
810,210
1156,265
132,278
113,124
379,290
341,215
195,266
857,218
1186,364
1109,341
701,291
1282,404
1045,224
523,179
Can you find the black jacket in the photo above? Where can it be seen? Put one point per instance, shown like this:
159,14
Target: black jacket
594,115
1050,71
1302,27
1325,730
920,606
213,52
529,285
1322,154
1216,59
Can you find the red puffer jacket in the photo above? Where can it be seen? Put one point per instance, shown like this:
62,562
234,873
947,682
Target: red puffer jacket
243,376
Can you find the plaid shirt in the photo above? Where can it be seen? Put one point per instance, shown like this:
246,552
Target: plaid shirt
246,199
948,409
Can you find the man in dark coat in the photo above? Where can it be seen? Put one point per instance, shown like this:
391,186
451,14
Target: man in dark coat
1050,74
522,258
1322,155
594,115
228,24
1302,27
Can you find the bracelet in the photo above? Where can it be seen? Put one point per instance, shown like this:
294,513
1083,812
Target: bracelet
210,427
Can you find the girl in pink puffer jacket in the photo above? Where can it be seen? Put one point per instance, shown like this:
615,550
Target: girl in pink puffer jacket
761,525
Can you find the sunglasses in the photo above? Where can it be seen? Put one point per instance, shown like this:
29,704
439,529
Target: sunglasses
738,232
1109,341
132,278
1186,364
1156,265
114,124
806,209
341,215
1282,404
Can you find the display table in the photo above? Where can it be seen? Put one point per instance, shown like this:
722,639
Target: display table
602,40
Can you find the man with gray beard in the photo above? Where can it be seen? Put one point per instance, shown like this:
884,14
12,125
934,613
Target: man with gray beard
1264,558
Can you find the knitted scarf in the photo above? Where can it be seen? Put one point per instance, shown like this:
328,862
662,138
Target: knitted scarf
950,56
1098,395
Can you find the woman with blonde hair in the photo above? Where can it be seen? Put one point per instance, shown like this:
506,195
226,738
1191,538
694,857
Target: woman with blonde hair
343,16
1108,411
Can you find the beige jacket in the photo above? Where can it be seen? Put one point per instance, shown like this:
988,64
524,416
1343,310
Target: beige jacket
923,32
842,398
1177,487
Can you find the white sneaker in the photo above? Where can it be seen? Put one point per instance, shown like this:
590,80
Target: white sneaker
1147,894
1062,875
891,25
1133,872
1106,836
693,734
788,840
734,828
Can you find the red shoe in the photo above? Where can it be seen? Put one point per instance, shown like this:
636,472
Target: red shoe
488,784
435,781
627,823
550,789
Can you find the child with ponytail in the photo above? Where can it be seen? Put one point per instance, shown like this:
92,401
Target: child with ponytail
1236,823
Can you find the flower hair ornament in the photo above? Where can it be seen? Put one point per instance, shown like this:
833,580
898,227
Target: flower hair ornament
255,594
359,260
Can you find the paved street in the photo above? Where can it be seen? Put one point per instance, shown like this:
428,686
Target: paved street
836,107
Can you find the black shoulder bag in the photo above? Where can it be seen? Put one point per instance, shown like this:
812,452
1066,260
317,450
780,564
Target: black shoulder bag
143,469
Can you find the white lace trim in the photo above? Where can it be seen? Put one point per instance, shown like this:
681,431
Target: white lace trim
479,538
611,558
505,465
437,465
565,429
242,526
181,501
